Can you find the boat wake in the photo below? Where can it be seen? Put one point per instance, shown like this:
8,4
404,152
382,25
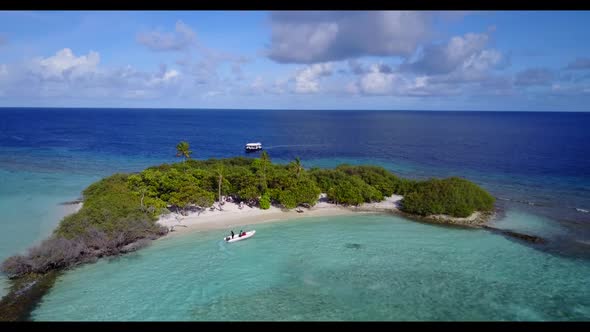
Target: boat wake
521,201
223,248
531,203
295,146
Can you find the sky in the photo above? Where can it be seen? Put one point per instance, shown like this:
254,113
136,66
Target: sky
361,60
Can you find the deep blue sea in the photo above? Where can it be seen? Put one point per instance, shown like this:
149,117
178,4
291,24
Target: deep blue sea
536,164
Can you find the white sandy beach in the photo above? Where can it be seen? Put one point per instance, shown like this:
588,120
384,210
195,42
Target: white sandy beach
231,217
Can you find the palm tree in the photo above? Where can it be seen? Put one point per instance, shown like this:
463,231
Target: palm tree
265,161
296,166
220,177
182,150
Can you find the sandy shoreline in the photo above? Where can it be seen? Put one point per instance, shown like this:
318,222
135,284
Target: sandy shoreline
72,208
231,217
234,218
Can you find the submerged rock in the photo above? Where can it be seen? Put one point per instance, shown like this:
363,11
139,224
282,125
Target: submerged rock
25,293
520,236
353,245
135,245
74,202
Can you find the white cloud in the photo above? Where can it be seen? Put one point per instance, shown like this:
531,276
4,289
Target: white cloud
376,82
446,68
307,80
449,68
65,65
3,78
461,53
379,79
534,76
236,69
203,68
165,76
66,74
181,39
420,82
210,94
311,37
257,84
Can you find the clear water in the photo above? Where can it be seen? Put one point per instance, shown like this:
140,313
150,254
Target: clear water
535,163
4,285
30,205
339,268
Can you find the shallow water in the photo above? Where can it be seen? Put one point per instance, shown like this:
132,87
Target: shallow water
535,163
3,286
369,267
30,205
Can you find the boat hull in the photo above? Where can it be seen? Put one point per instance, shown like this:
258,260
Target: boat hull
238,238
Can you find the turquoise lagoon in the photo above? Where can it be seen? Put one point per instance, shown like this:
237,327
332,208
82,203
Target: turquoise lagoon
359,267
343,268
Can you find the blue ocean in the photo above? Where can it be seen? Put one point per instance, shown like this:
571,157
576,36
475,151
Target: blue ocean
535,163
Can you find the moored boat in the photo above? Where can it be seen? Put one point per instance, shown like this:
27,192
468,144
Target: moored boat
251,147
237,237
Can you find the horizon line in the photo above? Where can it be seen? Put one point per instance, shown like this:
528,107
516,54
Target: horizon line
286,109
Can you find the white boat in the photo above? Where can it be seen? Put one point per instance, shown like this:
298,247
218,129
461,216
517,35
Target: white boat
239,238
251,147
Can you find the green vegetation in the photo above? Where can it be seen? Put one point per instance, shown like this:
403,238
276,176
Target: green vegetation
453,196
122,209
112,217
265,202
109,206
353,185
183,150
197,184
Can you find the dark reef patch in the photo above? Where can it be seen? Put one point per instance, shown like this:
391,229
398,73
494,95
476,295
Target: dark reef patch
353,246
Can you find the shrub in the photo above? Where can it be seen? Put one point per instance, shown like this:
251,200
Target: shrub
265,202
375,176
288,199
453,196
119,212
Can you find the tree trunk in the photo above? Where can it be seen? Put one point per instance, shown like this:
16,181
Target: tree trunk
220,178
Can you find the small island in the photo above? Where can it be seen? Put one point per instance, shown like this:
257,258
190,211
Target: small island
124,212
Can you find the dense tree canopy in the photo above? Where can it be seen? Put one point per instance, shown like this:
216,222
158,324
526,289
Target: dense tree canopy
123,208
453,196
257,181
